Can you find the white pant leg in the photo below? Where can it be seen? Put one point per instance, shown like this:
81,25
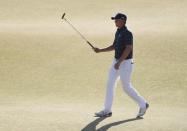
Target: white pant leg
125,71
113,75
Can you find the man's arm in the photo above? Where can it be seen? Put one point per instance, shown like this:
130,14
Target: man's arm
110,48
126,52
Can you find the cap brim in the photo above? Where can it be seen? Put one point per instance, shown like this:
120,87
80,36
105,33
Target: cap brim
112,18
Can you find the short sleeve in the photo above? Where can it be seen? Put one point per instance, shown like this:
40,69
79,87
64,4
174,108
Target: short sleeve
114,42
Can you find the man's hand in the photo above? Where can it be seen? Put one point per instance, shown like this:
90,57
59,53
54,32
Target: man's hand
116,66
97,50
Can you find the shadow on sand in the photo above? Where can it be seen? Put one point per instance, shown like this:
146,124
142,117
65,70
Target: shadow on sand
92,126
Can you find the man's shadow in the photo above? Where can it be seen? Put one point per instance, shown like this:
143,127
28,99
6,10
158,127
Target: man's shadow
92,126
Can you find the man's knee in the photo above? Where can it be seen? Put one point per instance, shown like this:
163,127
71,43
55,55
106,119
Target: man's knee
126,83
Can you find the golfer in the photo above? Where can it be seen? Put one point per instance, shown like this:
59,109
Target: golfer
122,67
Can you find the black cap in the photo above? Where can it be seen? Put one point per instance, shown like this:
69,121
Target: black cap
119,16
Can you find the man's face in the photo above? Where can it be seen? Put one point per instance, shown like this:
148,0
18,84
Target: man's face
119,23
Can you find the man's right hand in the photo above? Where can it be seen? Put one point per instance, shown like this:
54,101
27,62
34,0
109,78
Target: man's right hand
97,50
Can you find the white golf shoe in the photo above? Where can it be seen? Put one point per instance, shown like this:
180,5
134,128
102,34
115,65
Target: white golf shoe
142,111
103,114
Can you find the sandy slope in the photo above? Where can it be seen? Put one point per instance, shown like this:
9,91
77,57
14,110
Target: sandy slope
50,80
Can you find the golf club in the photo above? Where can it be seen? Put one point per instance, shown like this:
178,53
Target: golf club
63,18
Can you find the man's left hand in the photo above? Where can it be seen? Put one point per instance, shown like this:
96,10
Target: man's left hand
116,66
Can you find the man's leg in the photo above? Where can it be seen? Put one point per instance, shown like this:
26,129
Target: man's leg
125,72
112,77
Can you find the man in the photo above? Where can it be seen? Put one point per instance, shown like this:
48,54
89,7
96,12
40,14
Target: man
122,67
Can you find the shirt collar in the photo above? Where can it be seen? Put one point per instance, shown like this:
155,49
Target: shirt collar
122,28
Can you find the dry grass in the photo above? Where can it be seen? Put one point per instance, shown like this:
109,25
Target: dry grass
51,80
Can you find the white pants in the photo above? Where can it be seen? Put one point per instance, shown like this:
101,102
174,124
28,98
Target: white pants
124,72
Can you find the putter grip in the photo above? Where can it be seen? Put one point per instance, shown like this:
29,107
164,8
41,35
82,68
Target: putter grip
90,44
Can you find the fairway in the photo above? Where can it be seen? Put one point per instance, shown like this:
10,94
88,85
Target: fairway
51,80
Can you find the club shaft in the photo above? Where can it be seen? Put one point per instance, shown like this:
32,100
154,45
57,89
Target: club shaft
79,33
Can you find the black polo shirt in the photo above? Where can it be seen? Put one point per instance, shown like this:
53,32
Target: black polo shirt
123,37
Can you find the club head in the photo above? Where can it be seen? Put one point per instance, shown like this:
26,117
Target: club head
63,15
